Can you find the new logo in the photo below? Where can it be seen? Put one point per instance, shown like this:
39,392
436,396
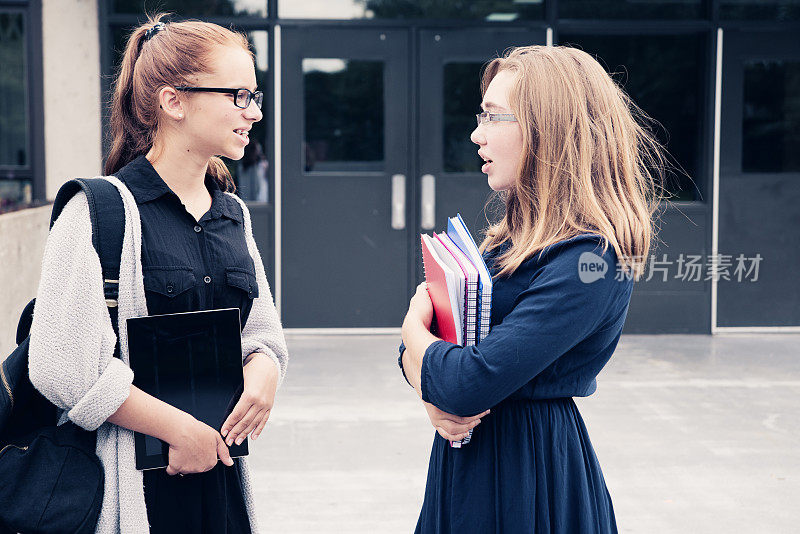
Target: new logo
591,267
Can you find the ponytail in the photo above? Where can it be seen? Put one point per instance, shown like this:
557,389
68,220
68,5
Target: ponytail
219,172
129,138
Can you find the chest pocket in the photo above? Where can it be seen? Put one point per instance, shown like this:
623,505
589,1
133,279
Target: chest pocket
168,289
242,279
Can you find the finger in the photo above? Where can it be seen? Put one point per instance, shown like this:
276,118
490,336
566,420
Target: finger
249,428
236,415
237,433
454,428
262,425
223,453
450,437
236,427
463,420
250,421
256,422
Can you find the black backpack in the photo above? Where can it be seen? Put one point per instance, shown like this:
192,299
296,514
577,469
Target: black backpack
52,479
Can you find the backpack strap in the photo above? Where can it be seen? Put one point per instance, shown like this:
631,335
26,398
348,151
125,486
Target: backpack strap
107,213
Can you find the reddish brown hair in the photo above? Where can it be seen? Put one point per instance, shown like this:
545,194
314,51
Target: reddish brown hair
171,57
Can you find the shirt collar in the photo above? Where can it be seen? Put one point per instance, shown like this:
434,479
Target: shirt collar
145,184
223,205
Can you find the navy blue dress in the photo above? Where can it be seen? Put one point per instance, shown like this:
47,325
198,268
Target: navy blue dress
530,466
192,265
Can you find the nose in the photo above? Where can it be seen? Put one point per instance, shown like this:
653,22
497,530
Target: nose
477,136
253,112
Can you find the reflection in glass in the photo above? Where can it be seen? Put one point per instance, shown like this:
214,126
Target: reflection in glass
492,10
343,103
194,8
252,171
630,9
760,9
14,108
664,75
771,116
13,94
462,97
15,194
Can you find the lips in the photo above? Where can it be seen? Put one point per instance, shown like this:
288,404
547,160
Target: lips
243,134
487,162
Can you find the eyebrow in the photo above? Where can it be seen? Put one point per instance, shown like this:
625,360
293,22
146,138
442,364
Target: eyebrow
244,85
492,105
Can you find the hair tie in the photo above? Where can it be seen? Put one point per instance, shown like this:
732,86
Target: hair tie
157,27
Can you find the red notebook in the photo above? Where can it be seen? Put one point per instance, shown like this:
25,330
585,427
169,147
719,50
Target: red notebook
441,288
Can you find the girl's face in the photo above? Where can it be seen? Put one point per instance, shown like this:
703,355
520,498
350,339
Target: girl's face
212,120
500,142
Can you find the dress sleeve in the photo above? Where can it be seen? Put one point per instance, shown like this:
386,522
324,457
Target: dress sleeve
263,331
554,313
71,355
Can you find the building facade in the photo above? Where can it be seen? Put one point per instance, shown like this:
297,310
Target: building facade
365,138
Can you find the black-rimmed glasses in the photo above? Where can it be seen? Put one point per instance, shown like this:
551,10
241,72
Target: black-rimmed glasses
241,96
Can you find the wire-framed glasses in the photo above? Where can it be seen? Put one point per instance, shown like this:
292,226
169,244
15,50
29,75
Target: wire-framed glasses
241,96
494,117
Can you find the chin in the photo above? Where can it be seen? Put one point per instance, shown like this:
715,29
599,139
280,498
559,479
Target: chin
500,183
234,154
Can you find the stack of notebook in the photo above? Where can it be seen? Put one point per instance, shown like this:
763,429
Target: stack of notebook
459,285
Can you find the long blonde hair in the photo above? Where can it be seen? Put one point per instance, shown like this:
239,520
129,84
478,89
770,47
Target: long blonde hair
169,58
588,165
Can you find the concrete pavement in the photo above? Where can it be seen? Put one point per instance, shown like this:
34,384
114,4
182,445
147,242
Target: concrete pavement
695,434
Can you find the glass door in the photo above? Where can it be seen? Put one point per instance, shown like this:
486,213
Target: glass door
759,184
344,177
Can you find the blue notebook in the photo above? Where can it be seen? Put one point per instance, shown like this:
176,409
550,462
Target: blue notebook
458,232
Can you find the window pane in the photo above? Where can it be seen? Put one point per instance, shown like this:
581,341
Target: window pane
13,94
665,76
771,116
462,98
760,9
494,10
15,194
343,114
630,9
252,171
195,8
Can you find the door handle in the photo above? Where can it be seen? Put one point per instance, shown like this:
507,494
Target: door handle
428,199
398,201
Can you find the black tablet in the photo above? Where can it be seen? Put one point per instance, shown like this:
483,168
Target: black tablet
192,361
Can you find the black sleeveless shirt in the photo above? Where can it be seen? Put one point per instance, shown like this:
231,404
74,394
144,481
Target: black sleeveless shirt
191,265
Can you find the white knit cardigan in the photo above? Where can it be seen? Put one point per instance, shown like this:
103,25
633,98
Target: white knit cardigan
72,349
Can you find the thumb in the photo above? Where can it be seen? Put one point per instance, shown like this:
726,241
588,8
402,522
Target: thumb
223,453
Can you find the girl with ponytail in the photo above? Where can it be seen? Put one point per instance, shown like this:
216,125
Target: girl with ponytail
185,94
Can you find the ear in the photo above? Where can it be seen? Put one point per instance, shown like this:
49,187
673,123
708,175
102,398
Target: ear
170,103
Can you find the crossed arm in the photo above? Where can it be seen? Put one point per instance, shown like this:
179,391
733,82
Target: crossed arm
417,338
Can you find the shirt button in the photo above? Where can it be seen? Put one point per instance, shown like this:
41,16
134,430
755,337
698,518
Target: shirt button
170,288
207,279
198,228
